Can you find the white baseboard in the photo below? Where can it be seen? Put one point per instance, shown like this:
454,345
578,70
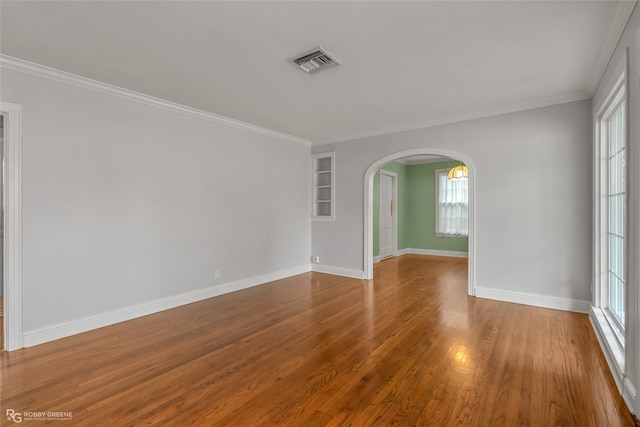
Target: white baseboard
537,300
434,252
338,271
629,393
62,330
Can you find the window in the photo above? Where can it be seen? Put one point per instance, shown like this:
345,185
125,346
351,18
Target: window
452,205
612,210
616,207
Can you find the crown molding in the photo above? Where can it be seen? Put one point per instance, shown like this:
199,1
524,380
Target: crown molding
546,102
618,24
42,71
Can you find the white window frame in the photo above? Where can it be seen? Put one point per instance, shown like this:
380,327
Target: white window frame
613,330
439,172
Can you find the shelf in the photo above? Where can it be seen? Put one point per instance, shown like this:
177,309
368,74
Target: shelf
323,186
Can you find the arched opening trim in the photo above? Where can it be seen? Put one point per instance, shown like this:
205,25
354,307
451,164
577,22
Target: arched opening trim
368,205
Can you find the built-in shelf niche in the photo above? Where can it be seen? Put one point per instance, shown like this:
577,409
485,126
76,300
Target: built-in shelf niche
323,186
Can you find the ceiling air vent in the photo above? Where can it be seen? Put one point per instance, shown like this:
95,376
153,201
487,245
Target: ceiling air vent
315,60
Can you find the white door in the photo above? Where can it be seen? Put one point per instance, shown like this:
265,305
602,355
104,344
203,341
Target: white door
387,207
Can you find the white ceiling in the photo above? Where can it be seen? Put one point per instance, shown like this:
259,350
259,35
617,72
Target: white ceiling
406,64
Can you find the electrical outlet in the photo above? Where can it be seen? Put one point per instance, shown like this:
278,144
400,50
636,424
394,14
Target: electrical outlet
216,274
315,259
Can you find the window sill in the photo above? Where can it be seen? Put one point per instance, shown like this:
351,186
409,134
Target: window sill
612,347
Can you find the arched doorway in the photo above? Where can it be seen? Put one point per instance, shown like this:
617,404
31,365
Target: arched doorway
368,205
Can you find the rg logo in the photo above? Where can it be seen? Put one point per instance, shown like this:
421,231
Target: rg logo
14,416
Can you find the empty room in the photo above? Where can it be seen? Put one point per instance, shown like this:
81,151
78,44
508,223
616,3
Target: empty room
320,213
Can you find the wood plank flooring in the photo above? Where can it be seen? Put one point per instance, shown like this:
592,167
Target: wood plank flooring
409,348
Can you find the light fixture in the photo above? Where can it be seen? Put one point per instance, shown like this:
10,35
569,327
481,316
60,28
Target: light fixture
459,172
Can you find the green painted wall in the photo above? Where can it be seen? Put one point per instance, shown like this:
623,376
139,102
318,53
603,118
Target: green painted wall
416,209
421,211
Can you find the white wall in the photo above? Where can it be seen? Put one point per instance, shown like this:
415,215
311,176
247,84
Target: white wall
1,223
533,197
125,203
626,58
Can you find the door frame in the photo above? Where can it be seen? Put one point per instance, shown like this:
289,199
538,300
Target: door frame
12,194
394,216
368,207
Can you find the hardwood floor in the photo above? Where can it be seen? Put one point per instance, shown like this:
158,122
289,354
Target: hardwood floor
409,348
